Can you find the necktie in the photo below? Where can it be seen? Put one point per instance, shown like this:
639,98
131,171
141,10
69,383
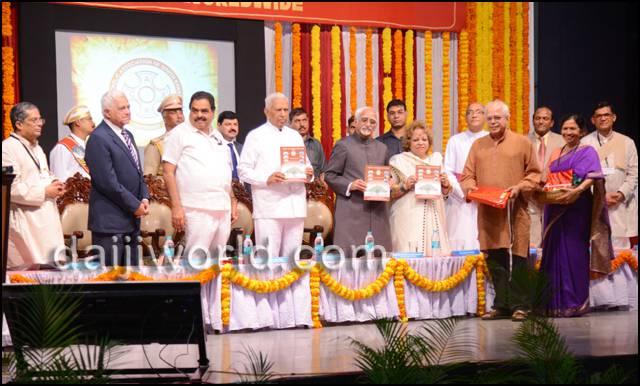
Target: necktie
132,150
234,160
541,152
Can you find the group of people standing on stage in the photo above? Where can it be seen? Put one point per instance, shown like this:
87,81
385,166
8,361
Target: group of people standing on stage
199,162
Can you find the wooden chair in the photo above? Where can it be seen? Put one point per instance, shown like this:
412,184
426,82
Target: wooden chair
73,206
157,224
244,223
319,213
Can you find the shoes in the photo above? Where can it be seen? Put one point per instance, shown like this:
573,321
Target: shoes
519,316
495,314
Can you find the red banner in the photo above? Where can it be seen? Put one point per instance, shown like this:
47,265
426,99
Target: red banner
443,16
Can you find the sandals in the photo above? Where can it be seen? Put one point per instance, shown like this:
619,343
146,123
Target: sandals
495,314
519,316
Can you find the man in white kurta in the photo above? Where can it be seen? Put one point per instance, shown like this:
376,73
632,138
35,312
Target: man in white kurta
462,216
279,207
67,156
35,232
619,160
197,172
545,142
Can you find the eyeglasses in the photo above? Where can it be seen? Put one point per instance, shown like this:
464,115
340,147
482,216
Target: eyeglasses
495,118
605,115
35,120
475,112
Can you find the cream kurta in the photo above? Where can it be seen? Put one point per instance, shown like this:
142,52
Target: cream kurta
508,162
619,160
413,221
34,222
462,224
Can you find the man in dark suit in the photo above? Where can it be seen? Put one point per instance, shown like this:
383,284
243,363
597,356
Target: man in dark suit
119,195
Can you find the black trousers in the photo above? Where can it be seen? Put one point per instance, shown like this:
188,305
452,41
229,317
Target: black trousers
498,263
119,249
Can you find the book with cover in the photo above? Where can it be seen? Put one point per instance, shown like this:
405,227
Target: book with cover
293,163
428,182
496,197
378,179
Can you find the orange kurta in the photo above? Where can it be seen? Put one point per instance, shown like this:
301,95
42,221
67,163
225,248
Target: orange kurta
502,164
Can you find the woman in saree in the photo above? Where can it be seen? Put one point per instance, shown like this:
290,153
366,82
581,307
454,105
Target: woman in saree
417,225
577,217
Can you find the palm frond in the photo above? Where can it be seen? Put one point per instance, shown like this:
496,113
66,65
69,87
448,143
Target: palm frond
259,368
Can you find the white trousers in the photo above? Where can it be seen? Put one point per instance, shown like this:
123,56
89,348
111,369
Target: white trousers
206,230
281,236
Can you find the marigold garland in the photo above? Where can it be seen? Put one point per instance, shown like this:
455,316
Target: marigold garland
315,82
387,93
365,293
397,66
481,267
398,282
498,48
513,63
296,66
225,294
264,286
408,72
8,70
463,78
353,71
446,90
428,78
314,283
277,39
441,285
336,90
21,279
369,67
517,114
472,28
506,60
525,67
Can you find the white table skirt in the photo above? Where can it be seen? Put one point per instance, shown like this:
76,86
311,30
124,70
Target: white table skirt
292,307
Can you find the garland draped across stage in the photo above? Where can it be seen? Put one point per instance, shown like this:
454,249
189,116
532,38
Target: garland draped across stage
396,270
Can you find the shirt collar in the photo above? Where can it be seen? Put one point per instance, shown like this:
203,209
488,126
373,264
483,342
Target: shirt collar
78,140
113,126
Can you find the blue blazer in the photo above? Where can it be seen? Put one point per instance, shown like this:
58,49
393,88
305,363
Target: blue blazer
117,184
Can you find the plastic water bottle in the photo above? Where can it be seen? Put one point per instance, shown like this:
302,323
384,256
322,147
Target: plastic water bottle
369,244
247,247
318,246
169,248
435,243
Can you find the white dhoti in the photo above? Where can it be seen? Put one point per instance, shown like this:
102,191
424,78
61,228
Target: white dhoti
281,236
206,231
462,225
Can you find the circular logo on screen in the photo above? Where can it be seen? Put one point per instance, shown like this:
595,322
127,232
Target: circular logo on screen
146,82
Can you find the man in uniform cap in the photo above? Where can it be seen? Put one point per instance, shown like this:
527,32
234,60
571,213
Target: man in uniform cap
172,115
67,156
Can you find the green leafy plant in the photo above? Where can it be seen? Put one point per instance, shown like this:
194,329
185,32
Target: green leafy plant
259,368
47,344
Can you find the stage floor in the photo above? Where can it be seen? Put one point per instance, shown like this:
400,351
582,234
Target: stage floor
307,352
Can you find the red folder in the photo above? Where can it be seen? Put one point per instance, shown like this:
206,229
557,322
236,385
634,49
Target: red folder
559,180
495,197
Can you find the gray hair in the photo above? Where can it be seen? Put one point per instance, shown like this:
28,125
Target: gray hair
268,101
501,105
362,109
19,112
109,98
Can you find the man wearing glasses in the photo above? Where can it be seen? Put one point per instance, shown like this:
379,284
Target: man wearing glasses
67,157
507,161
619,159
35,232
172,115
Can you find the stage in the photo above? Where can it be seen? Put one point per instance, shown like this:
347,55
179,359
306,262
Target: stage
327,352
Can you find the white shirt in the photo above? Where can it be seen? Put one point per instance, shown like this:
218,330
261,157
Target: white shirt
461,216
203,167
226,143
260,158
63,163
